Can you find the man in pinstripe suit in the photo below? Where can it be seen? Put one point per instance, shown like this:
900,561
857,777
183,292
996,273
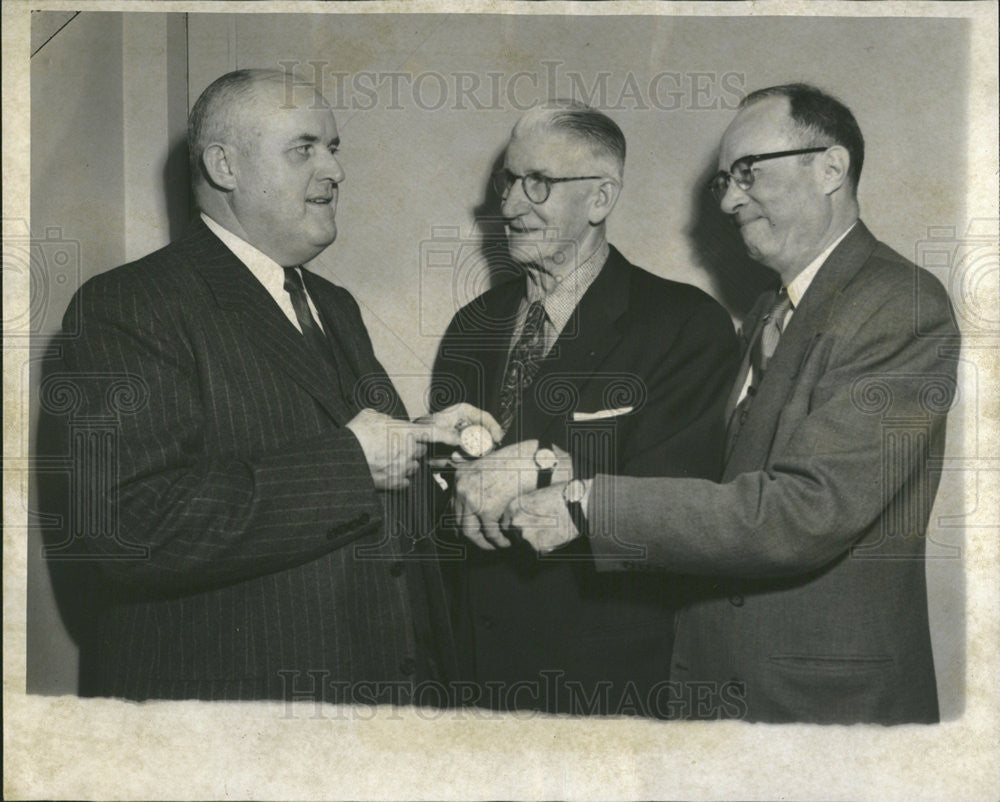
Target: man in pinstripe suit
271,543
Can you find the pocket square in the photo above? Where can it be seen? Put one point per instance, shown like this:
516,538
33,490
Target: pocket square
602,413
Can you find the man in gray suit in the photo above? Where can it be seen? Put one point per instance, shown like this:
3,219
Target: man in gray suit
810,551
268,546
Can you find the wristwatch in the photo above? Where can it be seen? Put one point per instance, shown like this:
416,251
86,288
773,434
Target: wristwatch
573,494
546,461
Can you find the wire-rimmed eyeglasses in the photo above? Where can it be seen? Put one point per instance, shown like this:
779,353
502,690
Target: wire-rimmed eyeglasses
536,186
742,170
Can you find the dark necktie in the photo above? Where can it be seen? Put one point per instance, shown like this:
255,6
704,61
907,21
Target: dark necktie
522,365
761,351
313,334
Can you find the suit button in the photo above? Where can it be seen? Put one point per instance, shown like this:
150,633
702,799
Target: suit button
488,622
408,666
736,600
397,569
364,518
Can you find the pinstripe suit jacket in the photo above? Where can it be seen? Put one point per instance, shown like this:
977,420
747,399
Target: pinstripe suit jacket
252,556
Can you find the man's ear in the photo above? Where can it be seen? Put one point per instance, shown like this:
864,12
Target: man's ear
603,200
219,168
835,162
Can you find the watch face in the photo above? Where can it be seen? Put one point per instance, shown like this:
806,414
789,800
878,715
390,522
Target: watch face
574,492
476,440
546,459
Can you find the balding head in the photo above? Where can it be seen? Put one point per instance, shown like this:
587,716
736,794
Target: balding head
263,150
229,109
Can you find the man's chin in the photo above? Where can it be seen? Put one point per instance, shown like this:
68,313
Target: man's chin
325,234
319,243
524,251
752,244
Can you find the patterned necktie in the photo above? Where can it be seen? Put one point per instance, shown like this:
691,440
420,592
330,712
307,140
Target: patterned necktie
522,365
310,328
761,351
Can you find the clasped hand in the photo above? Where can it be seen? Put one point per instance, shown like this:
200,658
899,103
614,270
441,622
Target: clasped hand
486,490
393,448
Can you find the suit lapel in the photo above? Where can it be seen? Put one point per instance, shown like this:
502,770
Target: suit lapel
808,322
499,314
241,296
590,336
371,385
337,316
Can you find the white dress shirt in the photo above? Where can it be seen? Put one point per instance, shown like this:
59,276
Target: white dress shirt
264,269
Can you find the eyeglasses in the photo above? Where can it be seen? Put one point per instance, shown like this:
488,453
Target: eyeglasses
742,170
536,186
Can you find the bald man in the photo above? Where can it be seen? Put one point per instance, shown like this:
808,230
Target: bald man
265,475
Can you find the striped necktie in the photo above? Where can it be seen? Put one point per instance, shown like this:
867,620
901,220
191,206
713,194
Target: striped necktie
761,351
314,336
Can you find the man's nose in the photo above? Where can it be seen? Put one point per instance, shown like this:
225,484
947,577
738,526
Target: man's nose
515,202
733,198
330,169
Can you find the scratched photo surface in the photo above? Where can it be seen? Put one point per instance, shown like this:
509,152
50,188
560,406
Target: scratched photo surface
424,105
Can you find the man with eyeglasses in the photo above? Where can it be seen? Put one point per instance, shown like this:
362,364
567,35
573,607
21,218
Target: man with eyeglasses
589,364
811,548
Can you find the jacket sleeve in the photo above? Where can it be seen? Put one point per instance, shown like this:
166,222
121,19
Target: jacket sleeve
199,518
827,482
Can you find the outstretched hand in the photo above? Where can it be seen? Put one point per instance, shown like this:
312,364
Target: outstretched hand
392,447
446,425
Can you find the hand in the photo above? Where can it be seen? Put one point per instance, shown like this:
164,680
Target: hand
446,426
541,518
392,447
485,487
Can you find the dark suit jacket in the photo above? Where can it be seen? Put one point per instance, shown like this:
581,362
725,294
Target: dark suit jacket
249,554
634,340
812,547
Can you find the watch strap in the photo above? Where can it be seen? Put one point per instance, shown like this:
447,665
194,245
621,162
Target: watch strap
544,476
578,517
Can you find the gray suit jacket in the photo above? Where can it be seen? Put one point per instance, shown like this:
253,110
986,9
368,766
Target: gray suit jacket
247,553
810,552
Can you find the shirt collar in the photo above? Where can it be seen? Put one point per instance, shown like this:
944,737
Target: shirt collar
264,268
797,286
564,297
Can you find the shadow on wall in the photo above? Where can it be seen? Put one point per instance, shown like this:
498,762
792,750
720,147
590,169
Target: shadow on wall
493,236
66,517
177,187
737,279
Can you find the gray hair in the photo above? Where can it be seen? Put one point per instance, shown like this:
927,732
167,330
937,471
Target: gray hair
588,124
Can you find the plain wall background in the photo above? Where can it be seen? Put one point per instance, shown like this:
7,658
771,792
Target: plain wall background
110,92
